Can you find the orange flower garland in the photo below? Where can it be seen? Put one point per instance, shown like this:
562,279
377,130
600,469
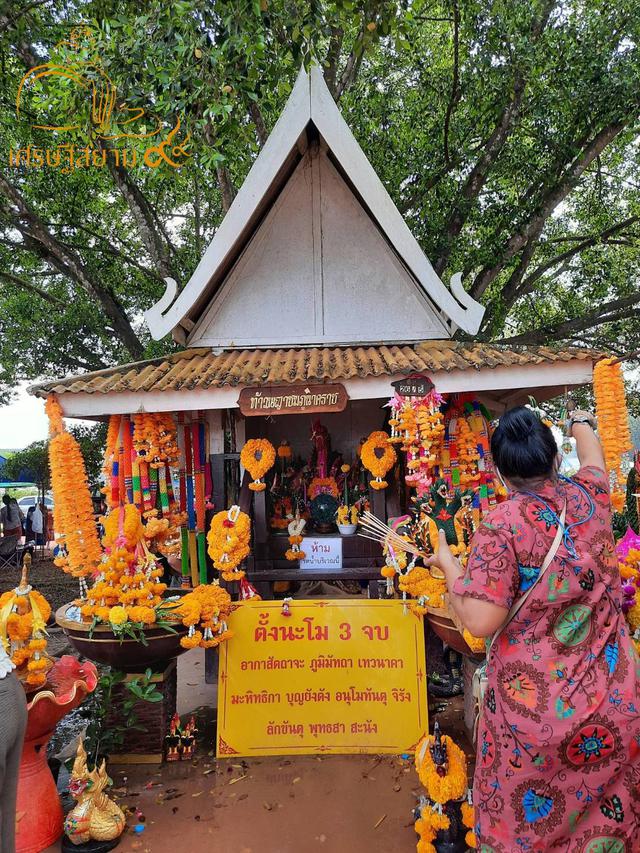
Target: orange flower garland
258,456
209,606
24,613
613,422
378,457
468,819
451,786
228,539
73,507
128,588
424,588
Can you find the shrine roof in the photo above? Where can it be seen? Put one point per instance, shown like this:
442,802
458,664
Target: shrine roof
203,368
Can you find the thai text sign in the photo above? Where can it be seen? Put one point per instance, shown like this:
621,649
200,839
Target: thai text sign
292,399
413,386
321,553
340,676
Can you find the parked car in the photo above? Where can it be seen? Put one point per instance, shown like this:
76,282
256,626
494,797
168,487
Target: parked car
30,500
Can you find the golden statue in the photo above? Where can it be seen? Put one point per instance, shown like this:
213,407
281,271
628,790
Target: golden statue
95,817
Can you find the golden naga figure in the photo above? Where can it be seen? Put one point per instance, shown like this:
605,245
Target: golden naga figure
95,817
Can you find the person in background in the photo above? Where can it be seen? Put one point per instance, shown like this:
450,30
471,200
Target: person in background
11,517
37,523
558,748
28,525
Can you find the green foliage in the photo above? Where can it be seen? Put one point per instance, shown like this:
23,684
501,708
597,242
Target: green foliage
32,462
506,133
102,736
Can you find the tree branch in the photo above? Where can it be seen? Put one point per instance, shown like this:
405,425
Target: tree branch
256,118
32,288
226,187
332,57
554,195
455,87
66,261
618,309
494,145
142,214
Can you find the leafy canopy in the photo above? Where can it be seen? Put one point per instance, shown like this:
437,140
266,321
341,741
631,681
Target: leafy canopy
506,133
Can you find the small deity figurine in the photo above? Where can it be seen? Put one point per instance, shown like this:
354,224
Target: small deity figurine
466,521
172,740
187,741
94,817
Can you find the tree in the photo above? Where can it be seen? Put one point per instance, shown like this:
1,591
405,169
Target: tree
32,463
506,133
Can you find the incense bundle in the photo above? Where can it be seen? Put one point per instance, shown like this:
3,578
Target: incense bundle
378,531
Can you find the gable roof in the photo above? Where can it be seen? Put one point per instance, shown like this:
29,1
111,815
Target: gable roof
310,113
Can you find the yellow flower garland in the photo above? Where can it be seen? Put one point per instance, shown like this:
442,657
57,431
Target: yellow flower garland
451,786
209,605
468,819
73,507
613,422
378,457
228,540
258,456
430,822
24,613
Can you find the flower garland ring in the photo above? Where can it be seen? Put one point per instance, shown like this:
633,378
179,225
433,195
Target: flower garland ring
228,540
378,457
258,456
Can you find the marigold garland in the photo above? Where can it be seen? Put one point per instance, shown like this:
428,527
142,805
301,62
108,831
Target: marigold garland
476,644
378,457
468,819
73,508
427,826
128,587
258,456
294,552
613,422
228,540
24,613
451,786
208,606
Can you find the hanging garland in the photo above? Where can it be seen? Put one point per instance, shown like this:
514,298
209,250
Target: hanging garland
208,606
228,539
128,591
258,456
80,551
613,423
378,457
468,819
24,613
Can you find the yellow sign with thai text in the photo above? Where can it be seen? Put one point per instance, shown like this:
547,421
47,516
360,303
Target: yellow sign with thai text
333,676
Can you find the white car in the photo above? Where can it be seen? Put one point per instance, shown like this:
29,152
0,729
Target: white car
30,500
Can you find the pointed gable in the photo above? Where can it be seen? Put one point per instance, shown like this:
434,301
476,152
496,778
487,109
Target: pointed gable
312,251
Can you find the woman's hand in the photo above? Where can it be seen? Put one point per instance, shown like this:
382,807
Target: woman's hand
444,559
481,618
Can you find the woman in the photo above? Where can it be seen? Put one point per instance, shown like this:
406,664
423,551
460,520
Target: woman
13,714
11,517
558,762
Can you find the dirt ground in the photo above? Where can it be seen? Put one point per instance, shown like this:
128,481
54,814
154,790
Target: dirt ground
334,804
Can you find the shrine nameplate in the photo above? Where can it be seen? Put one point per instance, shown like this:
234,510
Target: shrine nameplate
334,676
413,386
292,399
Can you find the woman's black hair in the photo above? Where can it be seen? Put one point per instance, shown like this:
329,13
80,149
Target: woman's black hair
522,446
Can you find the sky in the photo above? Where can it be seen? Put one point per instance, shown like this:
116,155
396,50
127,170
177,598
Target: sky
22,421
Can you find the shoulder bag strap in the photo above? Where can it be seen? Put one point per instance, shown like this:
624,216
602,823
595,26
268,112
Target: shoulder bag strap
551,553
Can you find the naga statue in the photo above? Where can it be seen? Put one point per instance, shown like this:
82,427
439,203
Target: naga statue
94,817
